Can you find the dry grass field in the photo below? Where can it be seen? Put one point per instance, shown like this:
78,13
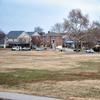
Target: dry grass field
50,73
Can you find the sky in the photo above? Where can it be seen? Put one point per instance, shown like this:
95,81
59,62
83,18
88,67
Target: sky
26,14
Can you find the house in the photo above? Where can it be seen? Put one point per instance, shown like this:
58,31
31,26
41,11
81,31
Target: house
24,37
69,44
53,40
2,39
36,34
14,37
50,39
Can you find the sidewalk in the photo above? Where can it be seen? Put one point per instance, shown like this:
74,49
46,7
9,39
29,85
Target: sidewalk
17,96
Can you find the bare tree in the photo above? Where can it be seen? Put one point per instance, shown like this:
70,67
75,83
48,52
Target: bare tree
75,25
91,35
57,28
94,31
38,29
37,40
95,24
2,34
2,38
66,26
78,21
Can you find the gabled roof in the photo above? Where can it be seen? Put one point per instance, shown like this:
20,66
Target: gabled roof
30,33
14,34
53,34
35,34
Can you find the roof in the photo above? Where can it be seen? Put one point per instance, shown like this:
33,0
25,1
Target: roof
14,34
55,34
30,33
35,34
51,34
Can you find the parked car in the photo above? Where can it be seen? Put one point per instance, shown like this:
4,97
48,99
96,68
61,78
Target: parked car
16,48
34,46
89,51
60,48
97,48
26,48
76,50
39,49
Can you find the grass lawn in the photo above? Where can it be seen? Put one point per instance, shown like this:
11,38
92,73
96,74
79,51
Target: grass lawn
51,73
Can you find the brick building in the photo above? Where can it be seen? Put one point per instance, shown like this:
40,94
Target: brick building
53,39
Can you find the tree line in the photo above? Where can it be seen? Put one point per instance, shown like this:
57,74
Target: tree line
78,27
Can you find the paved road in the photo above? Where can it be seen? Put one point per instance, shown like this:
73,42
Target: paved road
17,96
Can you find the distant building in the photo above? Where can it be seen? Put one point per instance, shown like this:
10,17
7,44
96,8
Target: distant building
25,37
50,39
18,37
2,39
53,40
36,34
69,43
12,36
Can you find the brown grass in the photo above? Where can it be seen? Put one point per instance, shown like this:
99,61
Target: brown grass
87,65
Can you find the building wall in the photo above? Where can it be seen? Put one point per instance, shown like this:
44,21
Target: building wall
12,40
56,40
3,42
47,40
59,41
24,37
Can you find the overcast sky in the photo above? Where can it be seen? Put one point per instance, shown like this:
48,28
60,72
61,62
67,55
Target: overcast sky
27,14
